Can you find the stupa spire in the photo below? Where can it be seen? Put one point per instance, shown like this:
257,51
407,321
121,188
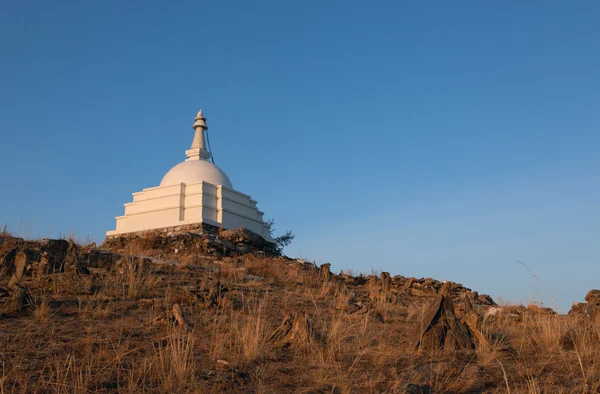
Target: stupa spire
198,149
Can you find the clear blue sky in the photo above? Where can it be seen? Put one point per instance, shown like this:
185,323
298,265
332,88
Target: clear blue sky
441,139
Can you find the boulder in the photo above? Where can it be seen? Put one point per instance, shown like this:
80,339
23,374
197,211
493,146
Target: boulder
55,251
593,297
72,262
441,329
59,255
588,312
22,264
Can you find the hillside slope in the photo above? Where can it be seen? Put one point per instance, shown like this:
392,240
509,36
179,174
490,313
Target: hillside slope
225,313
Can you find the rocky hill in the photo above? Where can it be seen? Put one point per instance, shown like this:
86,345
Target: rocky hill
187,312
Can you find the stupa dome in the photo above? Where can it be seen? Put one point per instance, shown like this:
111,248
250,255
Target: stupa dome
195,171
195,208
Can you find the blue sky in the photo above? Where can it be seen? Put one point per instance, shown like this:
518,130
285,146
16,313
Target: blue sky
448,140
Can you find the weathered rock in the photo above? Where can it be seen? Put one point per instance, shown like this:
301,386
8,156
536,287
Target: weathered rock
246,237
209,293
23,261
178,315
96,258
189,240
533,309
586,313
430,283
295,329
422,288
228,247
325,272
72,262
347,279
440,328
55,252
485,299
223,365
474,322
7,260
386,280
578,309
593,297
59,256
407,285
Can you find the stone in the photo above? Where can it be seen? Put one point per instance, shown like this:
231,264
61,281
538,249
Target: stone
593,297
24,259
20,264
325,272
228,245
71,262
96,258
58,256
386,280
474,322
233,242
296,329
244,237
178,315
420,292
588,312
347,279
407,285
485,299
7,260
208,293
56,248
440,328
539,310
223,365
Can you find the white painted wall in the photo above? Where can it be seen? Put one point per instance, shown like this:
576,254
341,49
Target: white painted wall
175,205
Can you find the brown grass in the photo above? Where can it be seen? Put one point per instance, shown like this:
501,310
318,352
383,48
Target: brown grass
122,338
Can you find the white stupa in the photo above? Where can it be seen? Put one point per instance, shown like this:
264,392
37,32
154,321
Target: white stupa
195,195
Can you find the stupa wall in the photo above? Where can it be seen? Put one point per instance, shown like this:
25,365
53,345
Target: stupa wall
170,206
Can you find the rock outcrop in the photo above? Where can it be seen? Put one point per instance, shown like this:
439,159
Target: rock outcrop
441,328
589,311
235,242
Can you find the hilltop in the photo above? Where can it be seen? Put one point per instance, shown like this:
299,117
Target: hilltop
226,312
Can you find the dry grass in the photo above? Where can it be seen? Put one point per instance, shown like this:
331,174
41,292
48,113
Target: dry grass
122,338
